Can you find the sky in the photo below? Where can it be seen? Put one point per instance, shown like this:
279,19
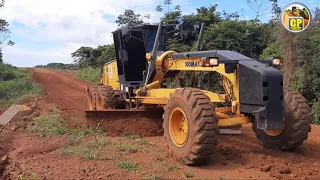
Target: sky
47,31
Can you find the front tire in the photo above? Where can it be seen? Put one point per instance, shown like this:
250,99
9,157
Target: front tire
190,126
107,98
296,124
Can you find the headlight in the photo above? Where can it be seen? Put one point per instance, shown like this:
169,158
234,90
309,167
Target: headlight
277,61
214,62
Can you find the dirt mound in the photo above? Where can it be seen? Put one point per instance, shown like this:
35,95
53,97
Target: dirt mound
23,147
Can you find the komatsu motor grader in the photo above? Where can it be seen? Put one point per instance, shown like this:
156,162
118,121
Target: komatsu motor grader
136,80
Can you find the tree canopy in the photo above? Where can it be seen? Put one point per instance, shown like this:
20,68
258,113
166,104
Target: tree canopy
4,37
93,57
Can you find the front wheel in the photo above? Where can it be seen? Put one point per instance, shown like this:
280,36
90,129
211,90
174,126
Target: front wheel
190,126
107,98
296,124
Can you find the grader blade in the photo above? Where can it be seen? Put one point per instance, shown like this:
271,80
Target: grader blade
121,114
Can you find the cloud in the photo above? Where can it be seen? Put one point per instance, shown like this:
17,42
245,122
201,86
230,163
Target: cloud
84,23
30,57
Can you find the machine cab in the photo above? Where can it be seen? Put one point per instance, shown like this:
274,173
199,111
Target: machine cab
131,45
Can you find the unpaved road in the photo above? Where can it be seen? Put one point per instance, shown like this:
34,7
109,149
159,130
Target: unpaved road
237,156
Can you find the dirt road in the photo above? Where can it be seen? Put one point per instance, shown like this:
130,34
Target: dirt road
237,156
67,92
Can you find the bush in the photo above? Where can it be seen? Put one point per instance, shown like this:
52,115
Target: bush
8,72
316,112
15,84
89,74
59,66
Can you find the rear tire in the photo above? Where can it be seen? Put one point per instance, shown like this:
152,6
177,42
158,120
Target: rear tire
194,144
92,96
107,98
296,124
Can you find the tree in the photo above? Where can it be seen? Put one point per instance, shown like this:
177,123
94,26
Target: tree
207,15
245,37
2,3
106,52
129,18
168,3
93,57
4,37
83,57
306,76
159,8
262,7
273,50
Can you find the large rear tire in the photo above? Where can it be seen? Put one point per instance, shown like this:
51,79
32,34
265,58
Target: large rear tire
92,96
107,98
296,124
190,126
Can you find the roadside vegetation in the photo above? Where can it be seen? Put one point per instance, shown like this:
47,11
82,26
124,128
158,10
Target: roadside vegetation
89,74
15,84
58,66
53,124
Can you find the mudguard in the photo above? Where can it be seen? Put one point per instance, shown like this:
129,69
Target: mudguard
261,93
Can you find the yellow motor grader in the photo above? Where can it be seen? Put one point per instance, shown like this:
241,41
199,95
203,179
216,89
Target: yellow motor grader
136,82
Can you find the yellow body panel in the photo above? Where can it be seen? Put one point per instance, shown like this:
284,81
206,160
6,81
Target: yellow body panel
233,121
110,75
164,93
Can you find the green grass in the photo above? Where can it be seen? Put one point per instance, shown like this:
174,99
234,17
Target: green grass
33,176
131,136
88,151
174,168
89,74
72,150
97,143
49,124
15,84
132,146
129,166
150,177
53,124
188,174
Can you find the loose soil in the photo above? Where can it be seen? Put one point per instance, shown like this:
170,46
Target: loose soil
237,156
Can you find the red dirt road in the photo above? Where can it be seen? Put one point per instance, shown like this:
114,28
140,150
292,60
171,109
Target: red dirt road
236,157
65,91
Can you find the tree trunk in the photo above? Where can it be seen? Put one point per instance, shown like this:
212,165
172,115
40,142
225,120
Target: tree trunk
1,56
288,45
